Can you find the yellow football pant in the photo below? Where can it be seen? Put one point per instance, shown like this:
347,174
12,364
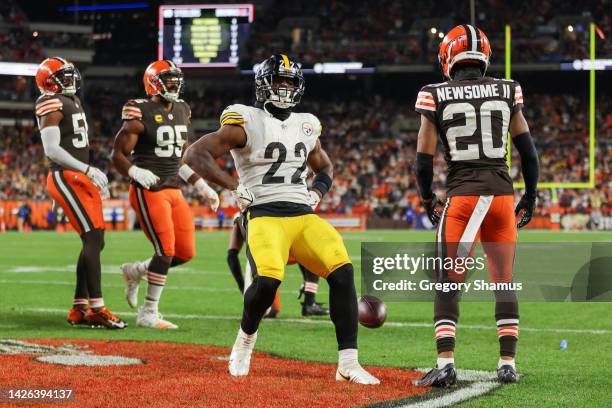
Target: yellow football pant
309,239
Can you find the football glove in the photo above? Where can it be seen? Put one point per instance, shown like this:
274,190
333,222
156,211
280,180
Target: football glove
105,193
313,199
432,212
143,177
97,177
207,193
527,205
243,196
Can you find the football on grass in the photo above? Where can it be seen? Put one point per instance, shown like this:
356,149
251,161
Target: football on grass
372,311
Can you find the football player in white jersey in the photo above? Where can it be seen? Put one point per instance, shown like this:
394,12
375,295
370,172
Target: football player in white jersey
272,147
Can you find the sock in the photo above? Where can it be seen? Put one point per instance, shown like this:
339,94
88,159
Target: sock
310,291
446,315
80,302
80,291
443,361
257,299
343,306
348,357
234,264
96,303
311,286
507,319
503,362
155,286
246,339
93,243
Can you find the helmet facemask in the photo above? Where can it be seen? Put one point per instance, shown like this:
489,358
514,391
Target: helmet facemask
169,84
68,79
283,87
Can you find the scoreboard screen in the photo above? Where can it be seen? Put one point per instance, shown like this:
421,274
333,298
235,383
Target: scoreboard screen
204,35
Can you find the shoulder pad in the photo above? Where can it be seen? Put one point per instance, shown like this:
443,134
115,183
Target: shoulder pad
131,110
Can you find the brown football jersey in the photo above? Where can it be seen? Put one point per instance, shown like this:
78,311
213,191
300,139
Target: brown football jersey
472,117
160,147
73,126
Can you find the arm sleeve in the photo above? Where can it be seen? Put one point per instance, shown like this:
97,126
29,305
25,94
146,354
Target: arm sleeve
51,143
131,111
424,174
530,165
426,104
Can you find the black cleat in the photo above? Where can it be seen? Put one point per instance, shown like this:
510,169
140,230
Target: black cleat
316,309
507,374
441,378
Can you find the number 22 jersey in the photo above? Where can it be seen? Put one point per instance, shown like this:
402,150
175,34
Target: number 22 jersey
472,117
73,126
160,147
272,164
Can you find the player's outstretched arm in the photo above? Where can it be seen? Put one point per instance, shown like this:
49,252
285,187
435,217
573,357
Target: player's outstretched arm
201,156
426,148
530,165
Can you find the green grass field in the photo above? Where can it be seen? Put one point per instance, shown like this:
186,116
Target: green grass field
37,281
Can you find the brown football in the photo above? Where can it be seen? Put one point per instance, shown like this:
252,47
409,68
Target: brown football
372,311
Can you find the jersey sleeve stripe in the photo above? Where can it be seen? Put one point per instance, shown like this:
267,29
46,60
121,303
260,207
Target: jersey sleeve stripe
425,95
425,107
427,102
131,112
232,121
48,102
48,109
234,114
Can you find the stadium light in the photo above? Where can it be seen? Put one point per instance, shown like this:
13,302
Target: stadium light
433,30
570,28
441,34
35,34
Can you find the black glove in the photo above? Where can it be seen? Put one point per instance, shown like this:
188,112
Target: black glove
432,212
527,204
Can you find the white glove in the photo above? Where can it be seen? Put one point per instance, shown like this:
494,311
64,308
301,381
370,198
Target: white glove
313,199
143,177
104,193
208,194
244,196
97,177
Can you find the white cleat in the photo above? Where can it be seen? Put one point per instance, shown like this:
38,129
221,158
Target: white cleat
152,319
132,282
240,358
356,374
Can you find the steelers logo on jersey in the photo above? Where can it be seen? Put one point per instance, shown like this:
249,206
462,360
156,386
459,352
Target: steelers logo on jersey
307,128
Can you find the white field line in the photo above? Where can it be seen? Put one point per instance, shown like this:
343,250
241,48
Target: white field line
209,288
325,322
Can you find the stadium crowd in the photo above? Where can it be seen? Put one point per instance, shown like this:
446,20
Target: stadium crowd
372,143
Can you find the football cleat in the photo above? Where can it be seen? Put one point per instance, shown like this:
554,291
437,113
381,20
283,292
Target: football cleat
77,315
316,309
357,374
240,358
132,282
441,378
271,313
104,317
152,319
507,374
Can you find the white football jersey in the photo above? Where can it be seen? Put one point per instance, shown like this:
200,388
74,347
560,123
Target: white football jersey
272,164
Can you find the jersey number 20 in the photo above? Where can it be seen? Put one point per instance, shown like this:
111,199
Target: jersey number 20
296,178
472,151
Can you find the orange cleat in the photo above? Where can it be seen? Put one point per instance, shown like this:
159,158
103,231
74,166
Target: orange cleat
104,317
77,315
